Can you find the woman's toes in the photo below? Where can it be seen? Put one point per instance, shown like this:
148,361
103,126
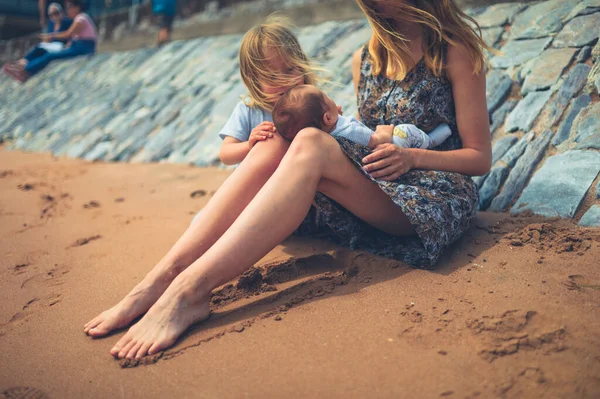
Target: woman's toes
133,351
91,324
158,346
143,350
123,352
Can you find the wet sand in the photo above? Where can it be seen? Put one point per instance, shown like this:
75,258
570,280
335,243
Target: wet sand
512,311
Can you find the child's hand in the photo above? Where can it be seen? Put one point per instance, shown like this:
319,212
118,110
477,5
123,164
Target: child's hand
340,110
261,132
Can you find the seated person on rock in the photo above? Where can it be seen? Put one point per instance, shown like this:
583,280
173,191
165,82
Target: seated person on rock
58,23
81,36
307,106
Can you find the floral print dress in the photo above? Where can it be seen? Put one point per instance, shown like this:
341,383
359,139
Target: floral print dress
439,205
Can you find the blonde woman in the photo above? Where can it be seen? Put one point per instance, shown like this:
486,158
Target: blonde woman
423,65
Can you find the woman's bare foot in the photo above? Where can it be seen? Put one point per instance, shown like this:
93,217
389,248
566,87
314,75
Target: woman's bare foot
138,301
171,315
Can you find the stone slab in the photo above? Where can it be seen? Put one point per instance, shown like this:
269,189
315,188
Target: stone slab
584,54
526,111
564,130
520,174
584,7
499,116
542,19
591,218
545,70
517,52
572,84
501,146
499,14
491,36
587,123
559,186
491,185
497,89
511,156
579,32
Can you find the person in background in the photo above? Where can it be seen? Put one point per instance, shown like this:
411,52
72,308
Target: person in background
165,13
82,37
44,10
58,23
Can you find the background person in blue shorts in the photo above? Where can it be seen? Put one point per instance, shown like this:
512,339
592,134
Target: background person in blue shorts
165,12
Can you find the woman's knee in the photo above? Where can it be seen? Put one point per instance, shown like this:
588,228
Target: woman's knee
312,144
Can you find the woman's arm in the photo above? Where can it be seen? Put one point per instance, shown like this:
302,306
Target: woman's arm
74,29
389,162
233,151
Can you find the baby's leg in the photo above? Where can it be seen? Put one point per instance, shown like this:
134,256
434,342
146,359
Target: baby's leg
410,136
439,135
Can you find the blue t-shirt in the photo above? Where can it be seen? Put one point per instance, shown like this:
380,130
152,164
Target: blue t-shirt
242,120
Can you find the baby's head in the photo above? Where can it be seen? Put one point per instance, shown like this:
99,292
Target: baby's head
301,107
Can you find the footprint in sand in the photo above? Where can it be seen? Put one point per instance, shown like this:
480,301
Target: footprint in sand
514,331
23,393
83,241
578,282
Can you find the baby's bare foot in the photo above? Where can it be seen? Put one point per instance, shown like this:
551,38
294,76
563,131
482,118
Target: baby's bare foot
138,301
170,316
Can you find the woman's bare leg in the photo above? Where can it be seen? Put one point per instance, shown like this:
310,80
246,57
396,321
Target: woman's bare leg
314,161
216,217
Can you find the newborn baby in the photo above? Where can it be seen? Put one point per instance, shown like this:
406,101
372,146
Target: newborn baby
308,106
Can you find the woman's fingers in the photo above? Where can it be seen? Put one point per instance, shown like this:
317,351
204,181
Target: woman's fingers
378,154
373,166
384,172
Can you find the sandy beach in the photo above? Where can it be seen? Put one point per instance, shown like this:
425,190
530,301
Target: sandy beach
511,311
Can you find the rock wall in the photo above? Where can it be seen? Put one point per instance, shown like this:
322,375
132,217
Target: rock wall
167,104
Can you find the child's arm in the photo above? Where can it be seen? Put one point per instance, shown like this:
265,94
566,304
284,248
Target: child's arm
233,151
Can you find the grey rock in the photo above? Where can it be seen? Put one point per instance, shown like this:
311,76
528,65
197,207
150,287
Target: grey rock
98,152
491,36
491,186
584,7
512,155
79,148
498,86
542,19
521,173
593,82
499,116
579,32
526,112
591,218
564,130
559,186
517,52
598,190
573,83
545,70
587,123
158,146
501,146
584,54
499,14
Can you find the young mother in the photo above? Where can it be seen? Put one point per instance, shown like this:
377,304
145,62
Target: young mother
424,66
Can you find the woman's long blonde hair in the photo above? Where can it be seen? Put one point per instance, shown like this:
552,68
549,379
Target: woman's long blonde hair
442,21
274,34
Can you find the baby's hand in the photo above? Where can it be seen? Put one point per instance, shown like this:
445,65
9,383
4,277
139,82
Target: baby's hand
385,129
261,132
340,110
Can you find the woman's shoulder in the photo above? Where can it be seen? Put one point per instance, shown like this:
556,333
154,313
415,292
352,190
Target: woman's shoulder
457,61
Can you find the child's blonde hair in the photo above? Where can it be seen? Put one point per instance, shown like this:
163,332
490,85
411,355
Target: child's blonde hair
442,21
274,34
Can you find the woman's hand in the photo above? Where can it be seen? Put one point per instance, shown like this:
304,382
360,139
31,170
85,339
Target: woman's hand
261,132
45,37
388,162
